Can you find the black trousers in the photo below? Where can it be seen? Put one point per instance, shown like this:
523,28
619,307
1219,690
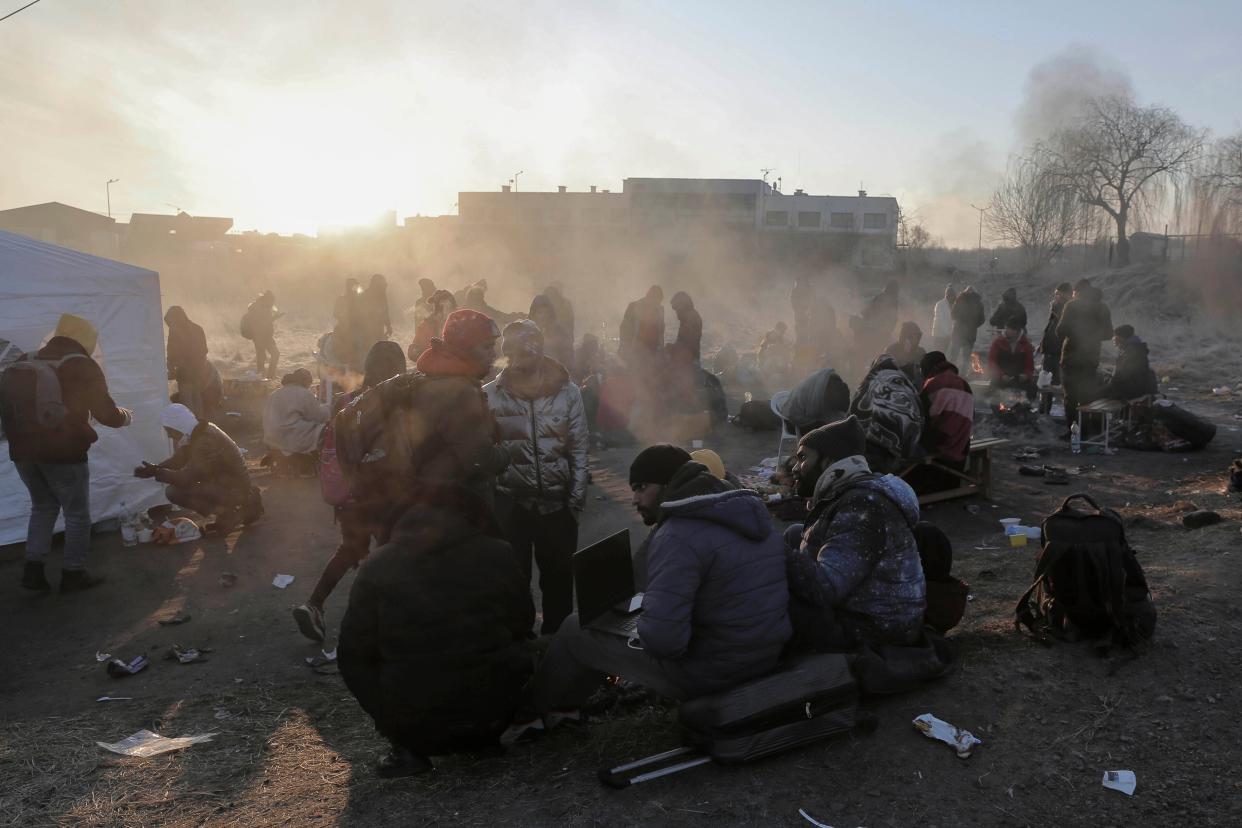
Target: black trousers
553,539
1080,385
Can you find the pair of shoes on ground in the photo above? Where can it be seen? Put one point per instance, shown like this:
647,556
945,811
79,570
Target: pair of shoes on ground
71,580
310,622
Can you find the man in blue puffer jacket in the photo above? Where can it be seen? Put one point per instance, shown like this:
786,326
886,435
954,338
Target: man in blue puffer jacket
854,571
715,610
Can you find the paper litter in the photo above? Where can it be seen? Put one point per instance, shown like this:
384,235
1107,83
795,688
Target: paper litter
144,743
962,741
1120,780
282,581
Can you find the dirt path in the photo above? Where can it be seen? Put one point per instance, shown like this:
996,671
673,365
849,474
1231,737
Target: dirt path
293,748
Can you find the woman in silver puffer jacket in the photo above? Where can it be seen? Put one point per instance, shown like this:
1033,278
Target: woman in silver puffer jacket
543,426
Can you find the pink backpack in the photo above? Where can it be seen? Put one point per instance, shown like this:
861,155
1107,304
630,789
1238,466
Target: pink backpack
332,482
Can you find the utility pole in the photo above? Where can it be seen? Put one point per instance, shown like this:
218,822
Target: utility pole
108,190
513,181
979,251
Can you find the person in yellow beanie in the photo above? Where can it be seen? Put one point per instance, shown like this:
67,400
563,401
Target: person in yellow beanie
49,434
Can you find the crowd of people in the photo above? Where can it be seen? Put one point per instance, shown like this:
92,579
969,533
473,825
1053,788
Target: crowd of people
458,478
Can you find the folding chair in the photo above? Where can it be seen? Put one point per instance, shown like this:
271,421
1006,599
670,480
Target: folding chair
787,431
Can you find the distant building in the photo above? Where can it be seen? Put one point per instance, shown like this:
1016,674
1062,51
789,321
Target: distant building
67,226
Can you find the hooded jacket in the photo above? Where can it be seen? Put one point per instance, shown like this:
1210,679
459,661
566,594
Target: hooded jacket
967,316
84,392
544,432
858,559
187,349
1008,309
888,405
432,643
1133,376
1050,344
210,455
717,601
294,419
949,406
1011,359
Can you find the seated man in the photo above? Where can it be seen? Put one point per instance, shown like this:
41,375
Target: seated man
293,420
906,351
854,571
1133,376
1011,360
206,474
820,398
715,609
433,644
949,409
888,408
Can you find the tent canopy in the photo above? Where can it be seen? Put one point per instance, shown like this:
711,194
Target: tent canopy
39,282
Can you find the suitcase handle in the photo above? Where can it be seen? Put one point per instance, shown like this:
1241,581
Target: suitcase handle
1080,496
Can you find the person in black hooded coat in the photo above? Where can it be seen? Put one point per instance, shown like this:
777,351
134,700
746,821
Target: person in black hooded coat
1133,376
434,642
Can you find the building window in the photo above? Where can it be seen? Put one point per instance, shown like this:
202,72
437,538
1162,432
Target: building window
875,221
808,218
841,221
776,218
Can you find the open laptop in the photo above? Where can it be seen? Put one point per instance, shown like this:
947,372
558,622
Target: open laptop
604,582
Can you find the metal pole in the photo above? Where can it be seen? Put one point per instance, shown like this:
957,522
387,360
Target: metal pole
108,191
979,250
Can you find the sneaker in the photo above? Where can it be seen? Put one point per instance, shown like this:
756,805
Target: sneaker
76,580
401,763
521,732
33,577
310,622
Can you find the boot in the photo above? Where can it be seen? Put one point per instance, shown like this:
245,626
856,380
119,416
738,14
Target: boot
76,580
400,763
33,577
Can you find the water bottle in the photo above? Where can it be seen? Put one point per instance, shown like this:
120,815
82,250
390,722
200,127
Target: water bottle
1075,439
129,528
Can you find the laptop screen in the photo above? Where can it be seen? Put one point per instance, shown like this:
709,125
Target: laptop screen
603,576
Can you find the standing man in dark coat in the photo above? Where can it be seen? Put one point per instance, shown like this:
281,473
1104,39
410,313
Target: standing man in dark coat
689,325
1085,324
1050,344
52,461
198,384
1008,310
433,643
968,316
642,328
259,325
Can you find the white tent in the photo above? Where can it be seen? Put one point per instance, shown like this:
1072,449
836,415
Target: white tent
39,282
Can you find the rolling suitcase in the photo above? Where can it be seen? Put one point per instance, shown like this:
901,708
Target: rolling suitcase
808,700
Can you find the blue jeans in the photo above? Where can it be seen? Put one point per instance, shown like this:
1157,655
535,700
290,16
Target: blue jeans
55,487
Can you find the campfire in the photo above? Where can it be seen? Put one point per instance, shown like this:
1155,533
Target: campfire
1016,414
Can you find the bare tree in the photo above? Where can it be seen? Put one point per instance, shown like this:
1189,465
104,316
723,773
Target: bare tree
1119,157
1034,210
1216,196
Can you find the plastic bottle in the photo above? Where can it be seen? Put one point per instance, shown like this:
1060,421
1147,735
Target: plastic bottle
1075,439
129,527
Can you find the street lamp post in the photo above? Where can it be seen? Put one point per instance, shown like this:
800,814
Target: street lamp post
513,180
979,250
108,190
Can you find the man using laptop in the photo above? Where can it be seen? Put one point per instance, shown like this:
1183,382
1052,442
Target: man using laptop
715,609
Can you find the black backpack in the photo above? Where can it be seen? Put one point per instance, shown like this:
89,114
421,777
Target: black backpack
373,447
1088,583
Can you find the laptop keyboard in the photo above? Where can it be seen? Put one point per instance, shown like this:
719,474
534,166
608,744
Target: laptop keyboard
627,625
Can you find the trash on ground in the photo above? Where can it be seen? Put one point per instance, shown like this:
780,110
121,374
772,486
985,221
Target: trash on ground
180,618
114,698
120,669
812,819
186,655
1120,780
176,530
144,743
227,579
102,657
962,741
973,508
282,581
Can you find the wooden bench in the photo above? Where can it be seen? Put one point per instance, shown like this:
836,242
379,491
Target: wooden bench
976,478
1116,417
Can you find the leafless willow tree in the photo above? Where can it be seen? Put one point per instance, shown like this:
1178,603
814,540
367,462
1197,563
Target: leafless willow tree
1120,156
1034,210
1216,196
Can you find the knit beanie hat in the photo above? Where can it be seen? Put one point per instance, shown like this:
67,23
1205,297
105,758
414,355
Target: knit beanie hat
933,360
79,330
657,464
466,328
835,441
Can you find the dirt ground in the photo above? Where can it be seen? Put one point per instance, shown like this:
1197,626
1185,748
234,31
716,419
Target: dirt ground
292,747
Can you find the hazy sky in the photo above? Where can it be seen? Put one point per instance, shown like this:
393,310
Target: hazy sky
292,115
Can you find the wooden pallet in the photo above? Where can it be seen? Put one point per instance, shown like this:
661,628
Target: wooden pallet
976,478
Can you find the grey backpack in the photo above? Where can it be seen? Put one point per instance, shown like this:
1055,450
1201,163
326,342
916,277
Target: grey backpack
31,395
